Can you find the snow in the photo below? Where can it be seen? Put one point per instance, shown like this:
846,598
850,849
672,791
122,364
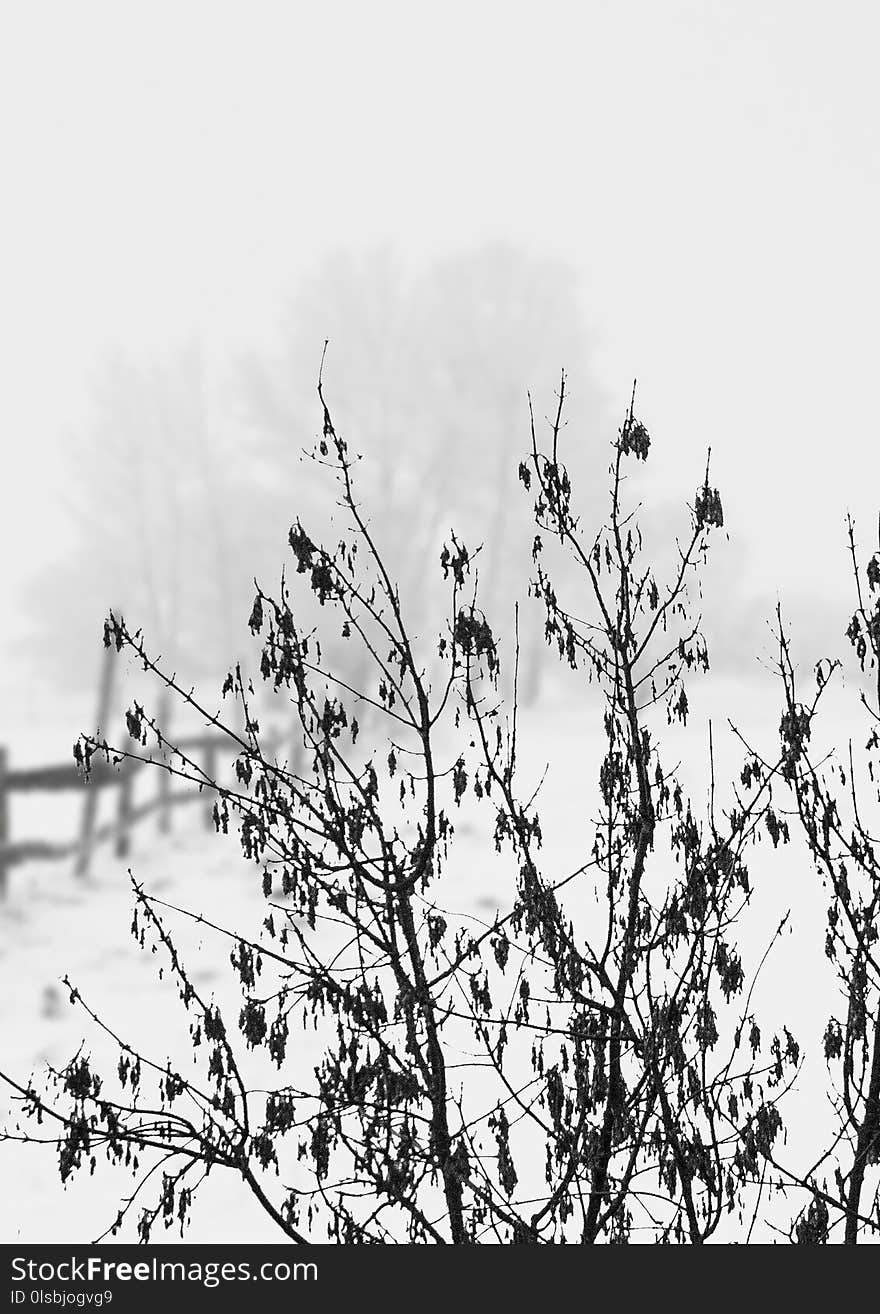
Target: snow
52,925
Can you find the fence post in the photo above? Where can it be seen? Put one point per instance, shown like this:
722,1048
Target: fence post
90,802
164,786
210,769
4,820
164,801
123,811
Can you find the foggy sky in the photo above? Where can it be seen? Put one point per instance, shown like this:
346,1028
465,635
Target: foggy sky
710,171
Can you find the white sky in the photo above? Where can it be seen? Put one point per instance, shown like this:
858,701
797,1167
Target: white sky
711,168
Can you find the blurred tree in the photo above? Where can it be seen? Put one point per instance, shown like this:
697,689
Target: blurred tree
428,375
149,527
172,510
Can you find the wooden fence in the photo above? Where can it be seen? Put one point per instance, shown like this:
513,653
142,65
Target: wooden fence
128,812
202,748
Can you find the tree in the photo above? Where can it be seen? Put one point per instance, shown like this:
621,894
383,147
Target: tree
150,525
661,1107
586,1066
429,378
835,798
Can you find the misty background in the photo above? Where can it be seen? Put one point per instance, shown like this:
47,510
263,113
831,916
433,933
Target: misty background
464,200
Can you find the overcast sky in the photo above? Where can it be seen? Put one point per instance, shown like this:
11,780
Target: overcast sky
711,170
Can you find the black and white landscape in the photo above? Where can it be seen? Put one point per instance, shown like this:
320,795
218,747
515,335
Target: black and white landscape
440,687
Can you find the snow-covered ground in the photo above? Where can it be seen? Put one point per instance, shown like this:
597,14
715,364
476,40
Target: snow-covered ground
51,925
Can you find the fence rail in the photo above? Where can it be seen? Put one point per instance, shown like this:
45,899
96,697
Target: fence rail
202,750
67,777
